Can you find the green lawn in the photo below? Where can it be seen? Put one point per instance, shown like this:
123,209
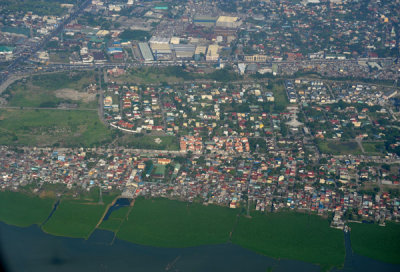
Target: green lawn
167,223
160,170
376,242
339,148
148,142
24,209
292,236
48,127
77,217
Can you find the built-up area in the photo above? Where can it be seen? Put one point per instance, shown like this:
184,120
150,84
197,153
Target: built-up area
336,38
305,144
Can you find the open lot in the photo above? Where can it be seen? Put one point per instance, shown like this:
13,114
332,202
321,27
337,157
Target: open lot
149,142
48,90
339,148
374,147
50,127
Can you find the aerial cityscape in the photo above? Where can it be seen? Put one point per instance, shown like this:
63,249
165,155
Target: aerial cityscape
200,135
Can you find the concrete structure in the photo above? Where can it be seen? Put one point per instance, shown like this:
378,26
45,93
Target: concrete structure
200,50
160,47
255,58
212,53
146,51
204,20
184,50
228,22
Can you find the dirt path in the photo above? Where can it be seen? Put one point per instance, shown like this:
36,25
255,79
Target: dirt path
105,212
123,220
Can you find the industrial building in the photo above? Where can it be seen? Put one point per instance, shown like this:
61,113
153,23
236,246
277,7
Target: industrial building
200,50
184,51
204,20
161,47
255,58
146,51
228,22
212,53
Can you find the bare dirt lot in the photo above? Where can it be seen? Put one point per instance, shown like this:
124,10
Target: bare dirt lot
75,95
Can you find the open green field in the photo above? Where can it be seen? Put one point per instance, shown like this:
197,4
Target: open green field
23,210
150,75
48,90
148,142
292,236
373,147
77,217
281,100
174,74
339,148
376,242
114,220
160,170
49,127
168,223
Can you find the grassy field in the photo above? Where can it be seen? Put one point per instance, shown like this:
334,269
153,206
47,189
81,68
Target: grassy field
148,142
77,217
48,127
381,243
40,90
281,100
339,148
374,147
114,220
24,209
292,236
166,223
151,75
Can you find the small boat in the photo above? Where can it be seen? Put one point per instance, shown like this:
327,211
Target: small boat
346,229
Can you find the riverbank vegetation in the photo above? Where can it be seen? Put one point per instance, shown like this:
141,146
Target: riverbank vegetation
77,217
377,242
290,235
170,223
23,210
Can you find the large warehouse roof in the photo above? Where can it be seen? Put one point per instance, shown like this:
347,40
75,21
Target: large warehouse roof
227,19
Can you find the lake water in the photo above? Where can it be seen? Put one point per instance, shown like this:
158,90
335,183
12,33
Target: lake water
30,249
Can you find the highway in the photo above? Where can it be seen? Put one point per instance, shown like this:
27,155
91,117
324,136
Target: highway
24,56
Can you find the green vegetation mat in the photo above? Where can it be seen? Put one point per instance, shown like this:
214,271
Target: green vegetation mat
52,127
292,236
23,210
76,217
167,223
376,242
114,220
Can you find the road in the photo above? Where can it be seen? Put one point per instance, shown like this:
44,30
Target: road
39,108
11,69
